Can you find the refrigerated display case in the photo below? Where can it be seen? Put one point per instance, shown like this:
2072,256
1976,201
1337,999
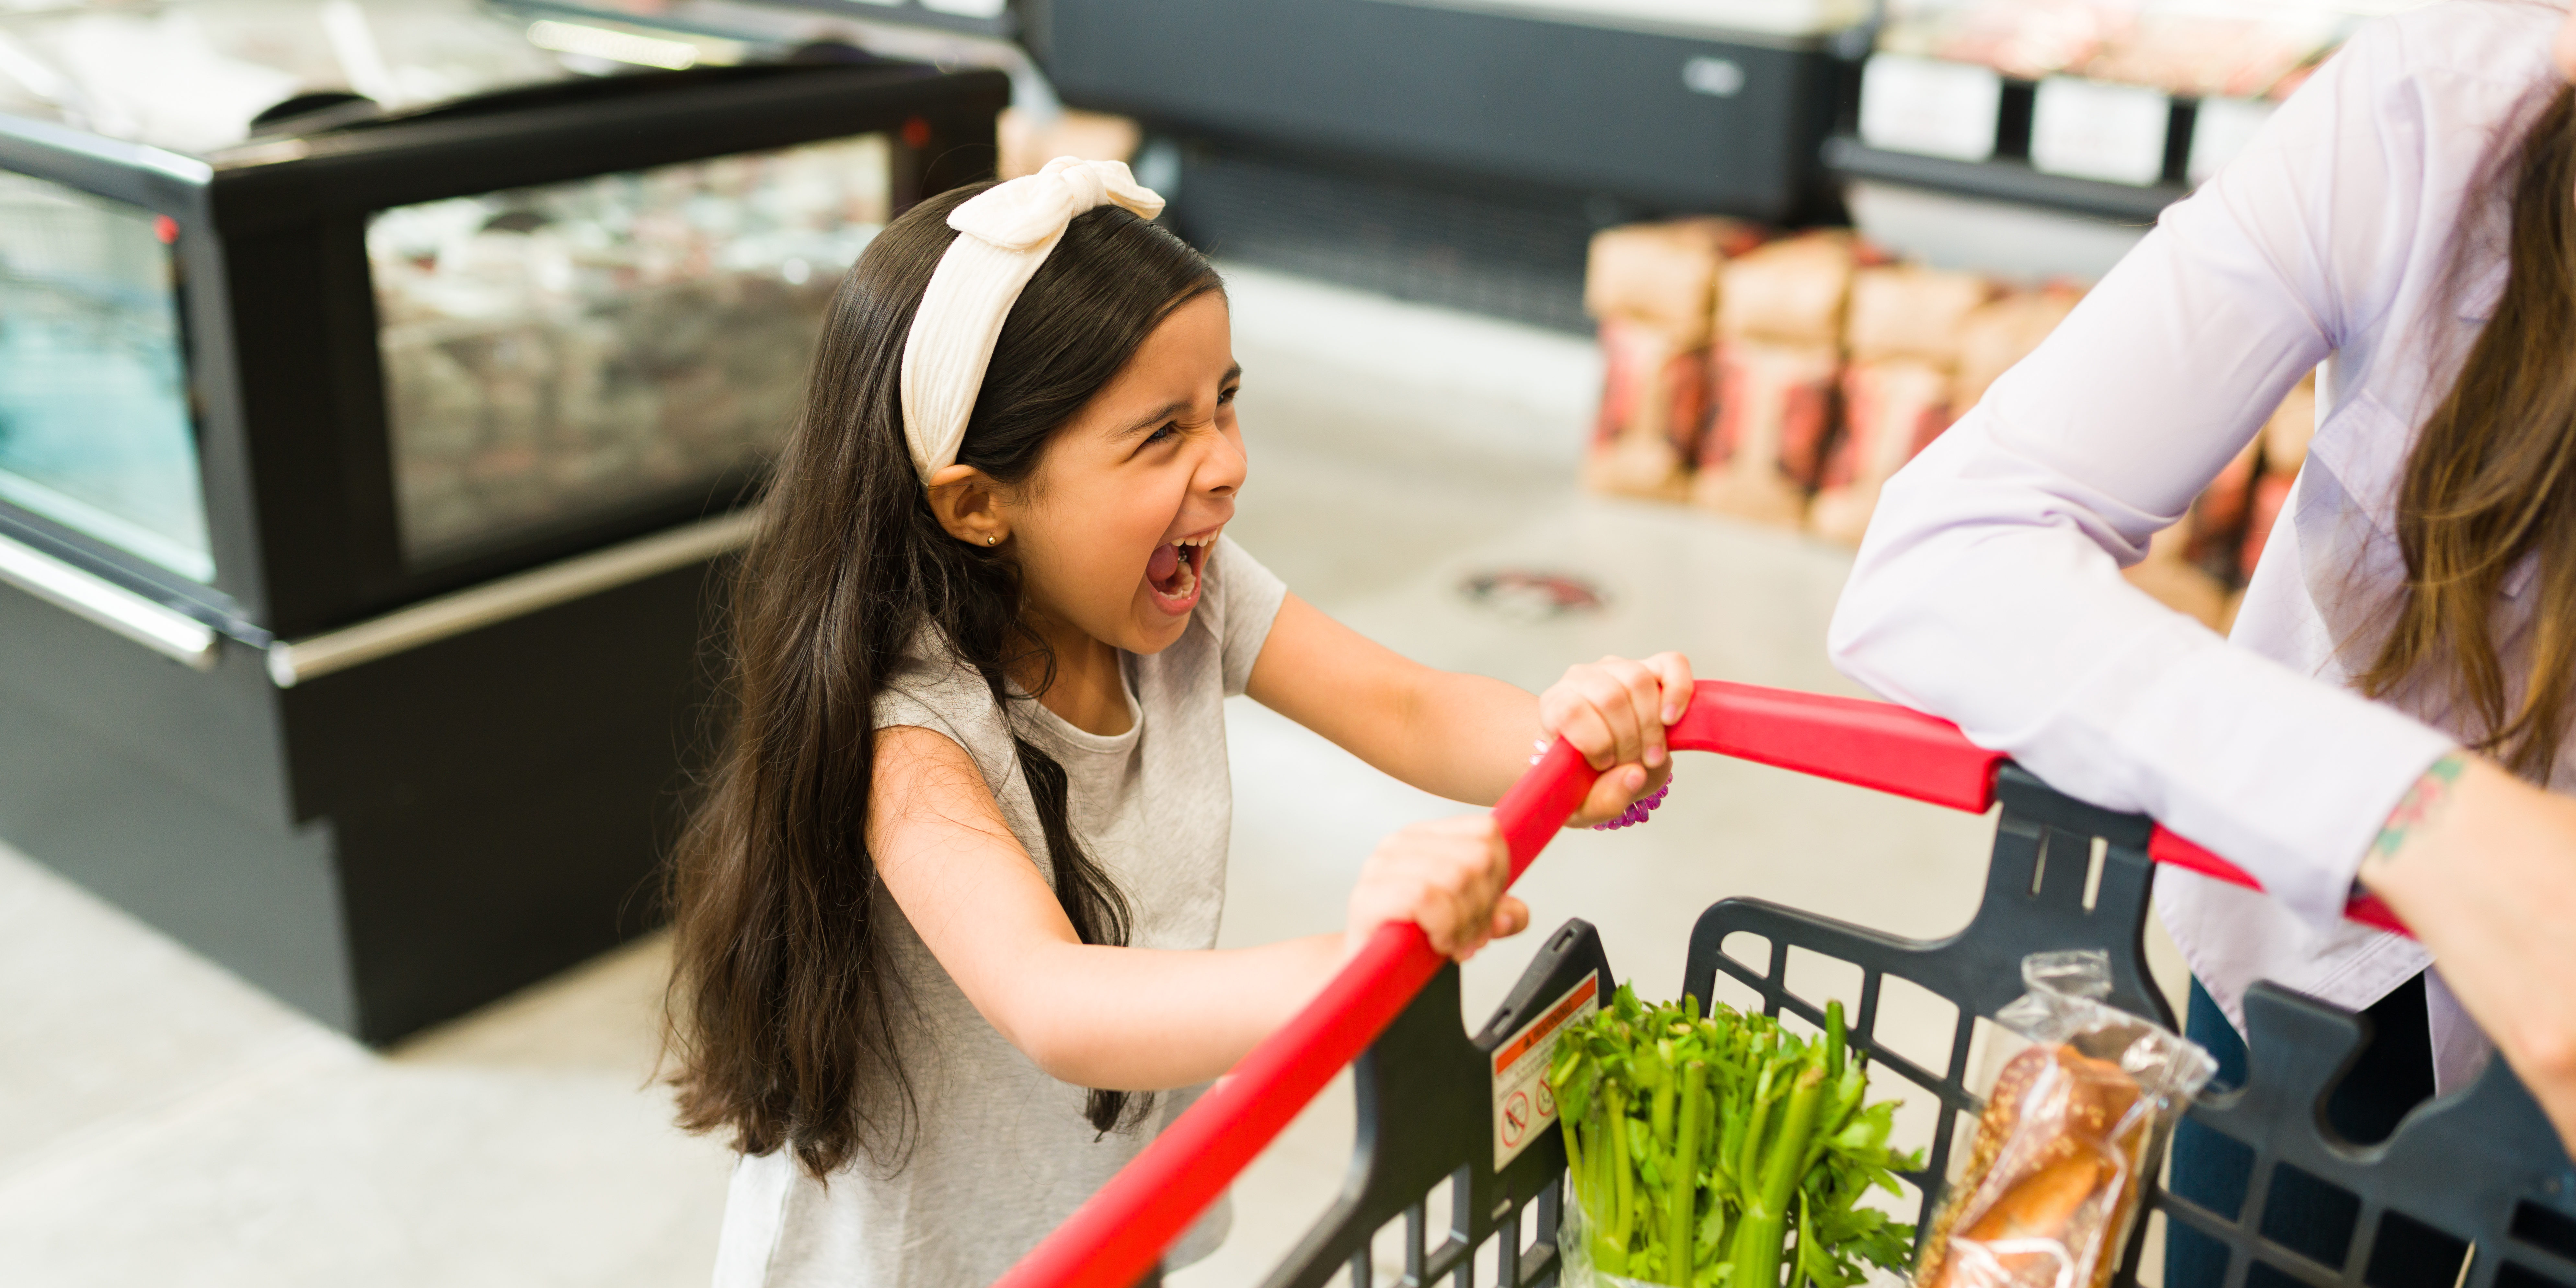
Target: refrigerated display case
1462,152
400,371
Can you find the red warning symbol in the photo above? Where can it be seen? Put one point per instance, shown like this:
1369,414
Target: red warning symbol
1516,1119
1546,1101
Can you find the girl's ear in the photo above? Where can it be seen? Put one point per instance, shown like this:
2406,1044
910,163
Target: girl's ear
969,504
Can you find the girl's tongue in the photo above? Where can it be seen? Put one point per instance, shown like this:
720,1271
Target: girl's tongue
1173,572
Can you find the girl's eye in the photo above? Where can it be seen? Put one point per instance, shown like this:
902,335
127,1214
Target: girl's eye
1167,430
1226,396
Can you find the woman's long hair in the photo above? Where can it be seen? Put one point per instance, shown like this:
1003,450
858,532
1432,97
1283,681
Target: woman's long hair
2492,482
784,1014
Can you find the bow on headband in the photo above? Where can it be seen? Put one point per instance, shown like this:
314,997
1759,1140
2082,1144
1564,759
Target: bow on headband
1003,234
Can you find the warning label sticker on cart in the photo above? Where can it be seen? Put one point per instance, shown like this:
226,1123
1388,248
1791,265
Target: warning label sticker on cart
1523,1104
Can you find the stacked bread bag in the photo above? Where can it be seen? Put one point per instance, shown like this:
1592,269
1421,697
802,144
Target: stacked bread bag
2074,1130
1652,290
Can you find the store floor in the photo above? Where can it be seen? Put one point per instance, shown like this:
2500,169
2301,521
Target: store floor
163,1124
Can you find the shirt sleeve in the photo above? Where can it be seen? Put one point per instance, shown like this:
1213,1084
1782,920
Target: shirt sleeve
1249,596
1988,590
935,692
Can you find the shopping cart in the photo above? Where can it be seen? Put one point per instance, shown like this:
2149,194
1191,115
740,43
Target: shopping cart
2482,1169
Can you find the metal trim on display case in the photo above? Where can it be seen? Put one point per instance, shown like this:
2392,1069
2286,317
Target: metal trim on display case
162,629
293,662
2004,179
1760,23
56,142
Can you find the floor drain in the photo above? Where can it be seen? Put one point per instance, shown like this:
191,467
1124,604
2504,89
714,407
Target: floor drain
1533,596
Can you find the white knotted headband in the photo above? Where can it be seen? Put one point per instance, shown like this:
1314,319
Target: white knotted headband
1003,234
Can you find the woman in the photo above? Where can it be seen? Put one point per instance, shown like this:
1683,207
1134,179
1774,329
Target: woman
2393,708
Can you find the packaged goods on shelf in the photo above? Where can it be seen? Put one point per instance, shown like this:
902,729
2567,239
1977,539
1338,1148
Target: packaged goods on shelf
1664,275
2233,517
1792,291
1823,367
1777,353
2168,574
1909,311
2208,55
1029,139
1903,335
552,350
2188,48
2218,516
1654,405
1653,288
1892,409
2003,331
2285,448
2020,38
1775,413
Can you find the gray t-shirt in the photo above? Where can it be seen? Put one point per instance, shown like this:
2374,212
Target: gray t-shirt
1002,1153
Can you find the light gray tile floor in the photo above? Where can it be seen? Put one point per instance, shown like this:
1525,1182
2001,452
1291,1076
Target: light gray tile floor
163,1124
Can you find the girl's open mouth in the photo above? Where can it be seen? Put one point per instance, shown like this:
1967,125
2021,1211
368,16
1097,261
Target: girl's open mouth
1174,571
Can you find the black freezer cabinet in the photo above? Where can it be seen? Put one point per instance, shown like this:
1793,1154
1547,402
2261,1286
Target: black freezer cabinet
1713,106
367,460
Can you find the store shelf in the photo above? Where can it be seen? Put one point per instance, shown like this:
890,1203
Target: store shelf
2002,179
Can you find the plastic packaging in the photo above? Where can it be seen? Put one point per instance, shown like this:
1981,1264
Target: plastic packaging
1574,1255
2074,1126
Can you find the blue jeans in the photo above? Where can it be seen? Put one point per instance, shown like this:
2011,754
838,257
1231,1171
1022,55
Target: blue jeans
2393,1075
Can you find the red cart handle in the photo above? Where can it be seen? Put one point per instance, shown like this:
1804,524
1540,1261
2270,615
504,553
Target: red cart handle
1116,1237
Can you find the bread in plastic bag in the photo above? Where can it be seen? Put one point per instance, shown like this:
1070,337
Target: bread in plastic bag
2073,1130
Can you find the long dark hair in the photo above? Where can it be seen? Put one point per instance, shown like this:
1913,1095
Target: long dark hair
2492,482
784,1015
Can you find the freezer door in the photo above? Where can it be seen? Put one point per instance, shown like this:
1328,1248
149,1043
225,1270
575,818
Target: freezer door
96,431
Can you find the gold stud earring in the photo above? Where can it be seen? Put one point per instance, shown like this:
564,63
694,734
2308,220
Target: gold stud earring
992,541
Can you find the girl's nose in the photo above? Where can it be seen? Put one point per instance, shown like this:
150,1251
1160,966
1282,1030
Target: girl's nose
1223,469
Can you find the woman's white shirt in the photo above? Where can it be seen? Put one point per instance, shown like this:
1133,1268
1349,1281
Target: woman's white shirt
2363,229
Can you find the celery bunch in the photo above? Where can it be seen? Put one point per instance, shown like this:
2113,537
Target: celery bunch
1697,1146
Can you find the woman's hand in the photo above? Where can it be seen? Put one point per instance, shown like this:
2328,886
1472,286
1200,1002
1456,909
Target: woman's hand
2482,867
1614,712
1447,876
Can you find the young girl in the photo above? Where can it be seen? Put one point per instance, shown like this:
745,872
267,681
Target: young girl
945,923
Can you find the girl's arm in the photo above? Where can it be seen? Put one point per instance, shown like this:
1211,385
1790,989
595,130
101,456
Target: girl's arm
1133,1019
1467,737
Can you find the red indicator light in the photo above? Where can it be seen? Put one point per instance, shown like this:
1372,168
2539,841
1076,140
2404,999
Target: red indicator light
165,228
916,133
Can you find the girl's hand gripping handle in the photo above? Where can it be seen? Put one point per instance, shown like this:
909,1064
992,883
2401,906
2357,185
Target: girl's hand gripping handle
1116,1237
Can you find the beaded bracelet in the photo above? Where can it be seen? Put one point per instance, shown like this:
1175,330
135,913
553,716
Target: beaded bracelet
1637,811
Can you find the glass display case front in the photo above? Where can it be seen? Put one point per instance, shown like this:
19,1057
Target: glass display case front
95,426
558,352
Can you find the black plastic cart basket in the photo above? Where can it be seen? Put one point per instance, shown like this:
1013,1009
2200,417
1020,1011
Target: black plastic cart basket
2482,1169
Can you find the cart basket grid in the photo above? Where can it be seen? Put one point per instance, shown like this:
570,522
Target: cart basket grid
2478,1174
